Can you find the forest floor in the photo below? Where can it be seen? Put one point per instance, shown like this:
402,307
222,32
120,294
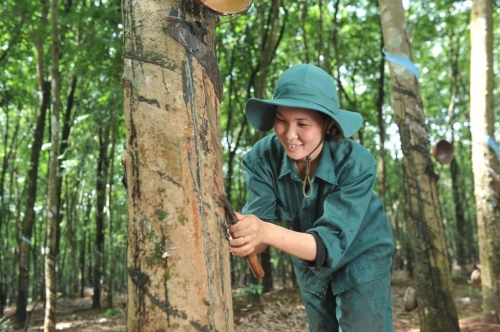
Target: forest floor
279,311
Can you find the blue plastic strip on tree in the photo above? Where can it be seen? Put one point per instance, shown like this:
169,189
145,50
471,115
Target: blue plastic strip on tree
493,145
400,60
25,239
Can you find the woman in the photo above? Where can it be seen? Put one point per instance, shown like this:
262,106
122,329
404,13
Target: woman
308,173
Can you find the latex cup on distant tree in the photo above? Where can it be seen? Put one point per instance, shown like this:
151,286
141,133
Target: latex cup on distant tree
444,152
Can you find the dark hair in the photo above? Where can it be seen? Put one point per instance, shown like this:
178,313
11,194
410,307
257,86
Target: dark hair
334,134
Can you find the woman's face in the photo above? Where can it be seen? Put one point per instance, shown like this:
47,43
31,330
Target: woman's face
299,130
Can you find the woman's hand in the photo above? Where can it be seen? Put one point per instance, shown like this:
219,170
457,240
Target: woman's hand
251,234
247,235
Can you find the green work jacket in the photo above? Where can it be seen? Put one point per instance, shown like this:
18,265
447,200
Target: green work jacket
343,210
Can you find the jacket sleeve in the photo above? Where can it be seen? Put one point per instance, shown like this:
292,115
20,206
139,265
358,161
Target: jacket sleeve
345,214
261,199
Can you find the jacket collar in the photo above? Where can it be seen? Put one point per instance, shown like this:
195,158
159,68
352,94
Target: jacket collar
325,170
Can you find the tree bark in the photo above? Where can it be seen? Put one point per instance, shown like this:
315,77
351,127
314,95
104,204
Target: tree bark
67,124
31,184
71,229
53,192
460,237
381,129
29,215
177,256
101,181
485,163
9,154
110,281
432,272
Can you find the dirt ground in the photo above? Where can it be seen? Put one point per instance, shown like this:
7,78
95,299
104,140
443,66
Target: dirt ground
283,310
279,311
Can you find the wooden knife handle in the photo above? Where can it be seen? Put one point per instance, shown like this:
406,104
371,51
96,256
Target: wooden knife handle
255,266
252,259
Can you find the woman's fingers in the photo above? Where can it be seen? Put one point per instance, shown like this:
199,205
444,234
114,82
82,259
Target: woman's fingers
239,216
245,234
241,246
242,251
239,229
240,241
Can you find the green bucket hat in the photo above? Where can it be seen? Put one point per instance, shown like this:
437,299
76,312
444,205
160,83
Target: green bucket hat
303,86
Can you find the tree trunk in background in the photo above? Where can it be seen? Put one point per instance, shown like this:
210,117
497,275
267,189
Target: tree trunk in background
268,48
3,294
112,257
484,160
83,244
265,259
462,235
101,181
29,215
177,256
432,269
64,144
9,154
32,181
268,45
381,129
52,195
71,233
65,131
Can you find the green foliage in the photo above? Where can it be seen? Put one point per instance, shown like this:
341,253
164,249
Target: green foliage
250,289
91,53
341,37
5,324
112,312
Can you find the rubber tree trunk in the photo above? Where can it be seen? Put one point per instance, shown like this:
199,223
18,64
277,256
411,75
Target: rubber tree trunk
177,256
101,183
485,163
32,182
53,194
29,215
432,268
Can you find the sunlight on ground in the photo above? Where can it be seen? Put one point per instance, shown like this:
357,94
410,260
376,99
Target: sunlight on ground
80,324
66,325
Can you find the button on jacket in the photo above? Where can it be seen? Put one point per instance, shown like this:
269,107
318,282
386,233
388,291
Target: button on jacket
343,210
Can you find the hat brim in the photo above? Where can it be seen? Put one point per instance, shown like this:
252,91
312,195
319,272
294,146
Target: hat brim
261,114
